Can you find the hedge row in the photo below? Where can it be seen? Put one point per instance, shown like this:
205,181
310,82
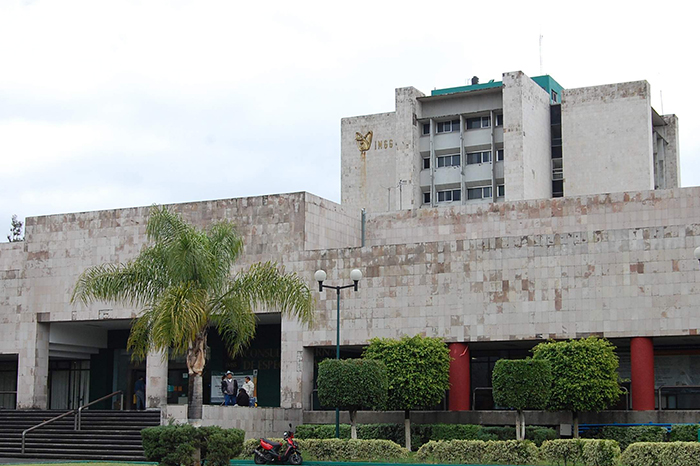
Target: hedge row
423,433
662,454
626,436
175,445
584,451
478,451
337,449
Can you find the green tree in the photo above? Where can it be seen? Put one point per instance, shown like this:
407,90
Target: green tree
521,384
418,369
183,283
352,384
15,230
585,375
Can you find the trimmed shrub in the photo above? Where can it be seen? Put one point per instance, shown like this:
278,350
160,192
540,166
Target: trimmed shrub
339,449
563,452
510,452
628,435
684,433
175,445
601,452
454,432
498,433
662,454
538,435
453,451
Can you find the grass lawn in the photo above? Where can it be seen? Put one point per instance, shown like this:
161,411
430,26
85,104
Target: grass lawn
79,463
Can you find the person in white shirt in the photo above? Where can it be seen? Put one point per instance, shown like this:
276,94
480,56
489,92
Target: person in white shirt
249,387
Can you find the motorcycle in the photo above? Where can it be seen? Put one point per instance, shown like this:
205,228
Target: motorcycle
270,451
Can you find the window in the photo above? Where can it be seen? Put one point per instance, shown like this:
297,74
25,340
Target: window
501,190
479,193
426,198
554,96
449,195
448,161
448,126
478,157
479,122
499,120
426,128
499,155
426,163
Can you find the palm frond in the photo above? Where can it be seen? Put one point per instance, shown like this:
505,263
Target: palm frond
177,317
234,321
265,286
139,341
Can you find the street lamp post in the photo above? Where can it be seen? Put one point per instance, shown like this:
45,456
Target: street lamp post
320,276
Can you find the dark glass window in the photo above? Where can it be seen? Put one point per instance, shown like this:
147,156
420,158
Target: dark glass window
499,155
426,163
501,190
426,128
426,198
499,120
474,193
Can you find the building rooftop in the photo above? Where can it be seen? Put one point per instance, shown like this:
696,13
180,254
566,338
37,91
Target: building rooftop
546,82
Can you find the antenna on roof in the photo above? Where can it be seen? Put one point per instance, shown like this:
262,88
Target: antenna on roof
661,96
541,67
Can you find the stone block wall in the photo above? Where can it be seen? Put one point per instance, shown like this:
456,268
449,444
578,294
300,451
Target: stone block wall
607,138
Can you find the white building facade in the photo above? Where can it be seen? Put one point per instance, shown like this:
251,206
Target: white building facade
492,274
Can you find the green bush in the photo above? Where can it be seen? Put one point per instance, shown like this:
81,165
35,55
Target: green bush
684,433
539,435
591,452
662,454
176,445
498,433
626,436
601,452
453,451
339,449
510,452
563,452
454,432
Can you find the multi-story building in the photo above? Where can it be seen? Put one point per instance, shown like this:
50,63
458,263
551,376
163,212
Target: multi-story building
613,257
510,140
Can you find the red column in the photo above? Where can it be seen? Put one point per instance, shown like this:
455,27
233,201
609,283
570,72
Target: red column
460,377
642,356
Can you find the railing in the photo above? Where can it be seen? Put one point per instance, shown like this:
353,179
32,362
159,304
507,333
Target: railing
60,416
673,386
78,418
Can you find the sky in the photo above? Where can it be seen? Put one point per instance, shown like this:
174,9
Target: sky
108,104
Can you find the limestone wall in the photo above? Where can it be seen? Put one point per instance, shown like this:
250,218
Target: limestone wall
607,138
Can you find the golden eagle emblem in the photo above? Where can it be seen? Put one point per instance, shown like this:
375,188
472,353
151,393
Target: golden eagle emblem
364,142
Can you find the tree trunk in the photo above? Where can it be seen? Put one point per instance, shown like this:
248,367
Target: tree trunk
407,428
517,424
353,426
522,421
575,415
196,358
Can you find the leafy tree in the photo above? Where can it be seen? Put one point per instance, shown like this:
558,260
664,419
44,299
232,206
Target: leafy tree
418,369
352,384
522,384
15,230
184,285
585,375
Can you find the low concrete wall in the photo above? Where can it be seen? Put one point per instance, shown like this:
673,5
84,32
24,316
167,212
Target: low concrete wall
500,418
256,422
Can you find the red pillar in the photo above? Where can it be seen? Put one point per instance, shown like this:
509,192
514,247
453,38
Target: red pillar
460,377
642,356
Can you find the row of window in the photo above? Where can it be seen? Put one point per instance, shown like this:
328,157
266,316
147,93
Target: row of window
472,158
469,123
450,195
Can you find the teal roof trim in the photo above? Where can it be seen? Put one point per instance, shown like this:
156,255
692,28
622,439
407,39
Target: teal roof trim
473,87
546,82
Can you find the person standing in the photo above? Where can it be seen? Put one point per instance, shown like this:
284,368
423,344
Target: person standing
229,387
249,387
140,392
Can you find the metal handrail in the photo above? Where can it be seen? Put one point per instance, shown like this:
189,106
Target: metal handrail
26,431
672,386
76,425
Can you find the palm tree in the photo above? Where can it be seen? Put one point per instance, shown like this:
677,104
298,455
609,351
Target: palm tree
183,284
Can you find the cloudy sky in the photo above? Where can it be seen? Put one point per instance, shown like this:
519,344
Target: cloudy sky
107,104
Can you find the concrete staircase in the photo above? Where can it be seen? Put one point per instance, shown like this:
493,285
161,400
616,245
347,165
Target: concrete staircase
105,435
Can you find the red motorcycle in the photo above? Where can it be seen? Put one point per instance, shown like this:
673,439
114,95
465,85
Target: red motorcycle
271,452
